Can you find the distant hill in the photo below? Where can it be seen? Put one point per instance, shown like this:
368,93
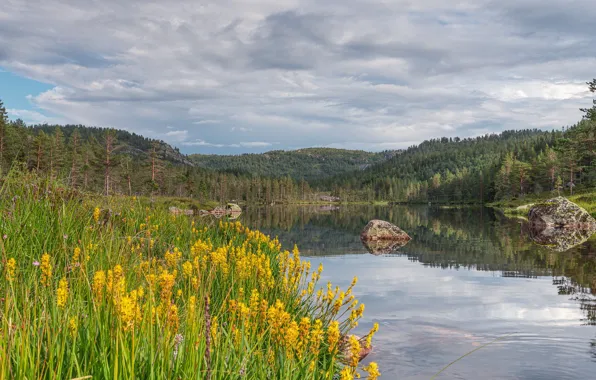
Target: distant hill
446,169
308,164
131,144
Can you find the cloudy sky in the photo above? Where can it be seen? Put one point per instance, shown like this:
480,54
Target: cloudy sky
232,76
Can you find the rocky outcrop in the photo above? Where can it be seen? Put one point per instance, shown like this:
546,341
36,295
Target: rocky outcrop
560,212
559,224
377,230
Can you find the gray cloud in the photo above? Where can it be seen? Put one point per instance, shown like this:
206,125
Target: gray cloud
232,77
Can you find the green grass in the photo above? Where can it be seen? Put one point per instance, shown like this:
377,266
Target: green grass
119,288
585,198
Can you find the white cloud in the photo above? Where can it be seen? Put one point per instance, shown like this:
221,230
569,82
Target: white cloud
255,144
360,73
32,117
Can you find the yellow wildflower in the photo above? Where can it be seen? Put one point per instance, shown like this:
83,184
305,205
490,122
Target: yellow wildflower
11,266
46,270
99,283
373,371
354,350
62,292
291,335
346,373
187,269
214,327
72,326
316,337
96,214
370,335
192,307
173,321
333,335
76,255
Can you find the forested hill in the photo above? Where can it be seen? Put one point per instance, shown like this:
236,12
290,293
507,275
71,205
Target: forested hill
128,143
308,164
446,170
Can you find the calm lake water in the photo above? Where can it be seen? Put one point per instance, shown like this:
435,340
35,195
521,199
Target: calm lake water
467,278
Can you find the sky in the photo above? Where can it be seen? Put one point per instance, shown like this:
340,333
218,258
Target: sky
230,77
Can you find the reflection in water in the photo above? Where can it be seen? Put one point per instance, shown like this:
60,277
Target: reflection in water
559,239
499,257
383,247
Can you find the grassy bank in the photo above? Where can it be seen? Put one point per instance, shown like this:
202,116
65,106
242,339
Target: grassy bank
521,206
119,288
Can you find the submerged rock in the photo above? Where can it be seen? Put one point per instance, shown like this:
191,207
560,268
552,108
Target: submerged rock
381,230
560,212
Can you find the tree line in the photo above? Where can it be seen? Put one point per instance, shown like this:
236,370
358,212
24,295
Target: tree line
112,162
508,165
492,167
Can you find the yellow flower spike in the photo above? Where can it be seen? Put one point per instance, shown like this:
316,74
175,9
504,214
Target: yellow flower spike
96,214
316,337
72,326
333,335
99,283
46,270
346,373
373,371
187,269
214,328
76,255
62,293
290,336
192,307
355,348
370,335
11,266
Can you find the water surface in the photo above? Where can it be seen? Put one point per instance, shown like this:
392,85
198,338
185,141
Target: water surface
468,277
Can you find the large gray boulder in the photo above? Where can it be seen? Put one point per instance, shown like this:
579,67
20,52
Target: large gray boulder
382,230
560,212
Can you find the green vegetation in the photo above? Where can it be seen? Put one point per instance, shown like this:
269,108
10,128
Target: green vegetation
509,166
116,287
308,164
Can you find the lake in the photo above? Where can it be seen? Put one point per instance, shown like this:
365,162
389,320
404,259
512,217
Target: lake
469,277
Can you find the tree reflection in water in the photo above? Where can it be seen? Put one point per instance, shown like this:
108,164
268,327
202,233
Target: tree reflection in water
469,237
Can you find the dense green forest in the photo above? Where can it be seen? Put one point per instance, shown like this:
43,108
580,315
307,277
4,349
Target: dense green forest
510,165
308,164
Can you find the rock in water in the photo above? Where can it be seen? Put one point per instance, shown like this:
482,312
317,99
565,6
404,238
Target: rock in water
382,230
559,212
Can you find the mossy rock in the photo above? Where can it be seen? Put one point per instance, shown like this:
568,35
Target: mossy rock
382,230
560,212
